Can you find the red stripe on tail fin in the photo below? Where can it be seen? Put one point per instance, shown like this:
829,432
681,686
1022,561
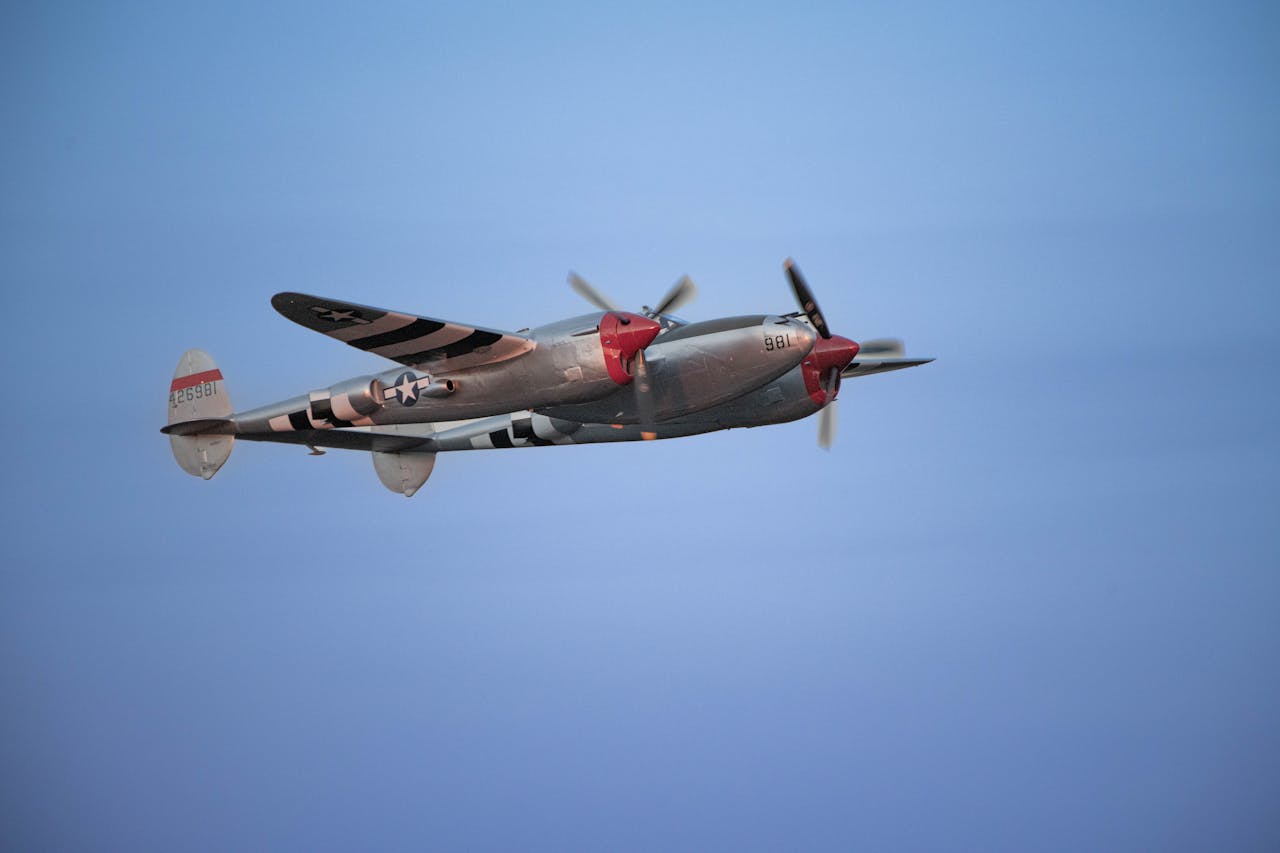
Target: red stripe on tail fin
194,379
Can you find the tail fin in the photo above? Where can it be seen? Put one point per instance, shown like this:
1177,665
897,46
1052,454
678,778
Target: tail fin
199,412
404,472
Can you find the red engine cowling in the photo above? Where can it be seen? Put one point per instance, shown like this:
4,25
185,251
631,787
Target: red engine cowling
827,354
623,335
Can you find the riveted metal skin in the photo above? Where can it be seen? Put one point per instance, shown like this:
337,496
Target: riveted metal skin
704,364
568,364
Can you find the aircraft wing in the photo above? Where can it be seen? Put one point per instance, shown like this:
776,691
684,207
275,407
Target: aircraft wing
866,366
342,439
419,342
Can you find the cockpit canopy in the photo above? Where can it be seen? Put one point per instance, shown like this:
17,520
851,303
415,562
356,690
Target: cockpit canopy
668,322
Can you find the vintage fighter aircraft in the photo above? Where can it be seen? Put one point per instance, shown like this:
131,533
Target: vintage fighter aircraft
607,376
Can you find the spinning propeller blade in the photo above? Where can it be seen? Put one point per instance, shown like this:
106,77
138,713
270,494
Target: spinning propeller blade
882,348
644,396
827,426
589,293
827,415
682,292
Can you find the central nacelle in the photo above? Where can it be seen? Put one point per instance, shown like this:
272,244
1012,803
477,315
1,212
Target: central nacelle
705,364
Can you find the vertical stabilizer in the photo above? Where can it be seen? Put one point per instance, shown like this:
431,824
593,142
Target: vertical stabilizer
198,393
403,472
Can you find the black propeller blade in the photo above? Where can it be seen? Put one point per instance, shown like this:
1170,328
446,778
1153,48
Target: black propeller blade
832,354
805,297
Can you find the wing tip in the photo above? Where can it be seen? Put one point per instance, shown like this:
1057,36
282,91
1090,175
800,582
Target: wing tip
287,299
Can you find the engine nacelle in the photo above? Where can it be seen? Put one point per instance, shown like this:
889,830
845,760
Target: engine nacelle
701,365
347,401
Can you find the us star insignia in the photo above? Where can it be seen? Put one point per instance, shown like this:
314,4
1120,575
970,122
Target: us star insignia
335,315
405,390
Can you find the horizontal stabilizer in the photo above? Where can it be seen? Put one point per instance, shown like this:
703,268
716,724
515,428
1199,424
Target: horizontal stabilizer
204,426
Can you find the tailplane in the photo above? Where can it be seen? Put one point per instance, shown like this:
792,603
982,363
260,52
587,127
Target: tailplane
200,427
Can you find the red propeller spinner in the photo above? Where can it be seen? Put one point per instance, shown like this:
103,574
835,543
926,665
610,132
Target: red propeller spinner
823,365
622,335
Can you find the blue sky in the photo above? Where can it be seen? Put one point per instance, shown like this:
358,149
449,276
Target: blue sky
1028,601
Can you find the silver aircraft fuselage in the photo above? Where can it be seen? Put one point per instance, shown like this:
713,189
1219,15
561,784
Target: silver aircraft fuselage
566,375
600,377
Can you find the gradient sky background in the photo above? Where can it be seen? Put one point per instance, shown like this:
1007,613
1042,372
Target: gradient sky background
1031,599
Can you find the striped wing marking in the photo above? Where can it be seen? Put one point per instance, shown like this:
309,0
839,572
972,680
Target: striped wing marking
406,338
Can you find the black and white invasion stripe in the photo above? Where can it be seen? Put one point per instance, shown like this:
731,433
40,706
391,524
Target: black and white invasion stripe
401,337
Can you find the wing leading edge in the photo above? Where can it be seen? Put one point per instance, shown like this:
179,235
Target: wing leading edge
344,439
420,342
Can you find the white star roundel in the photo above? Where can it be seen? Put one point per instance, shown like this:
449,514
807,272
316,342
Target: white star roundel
405,390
